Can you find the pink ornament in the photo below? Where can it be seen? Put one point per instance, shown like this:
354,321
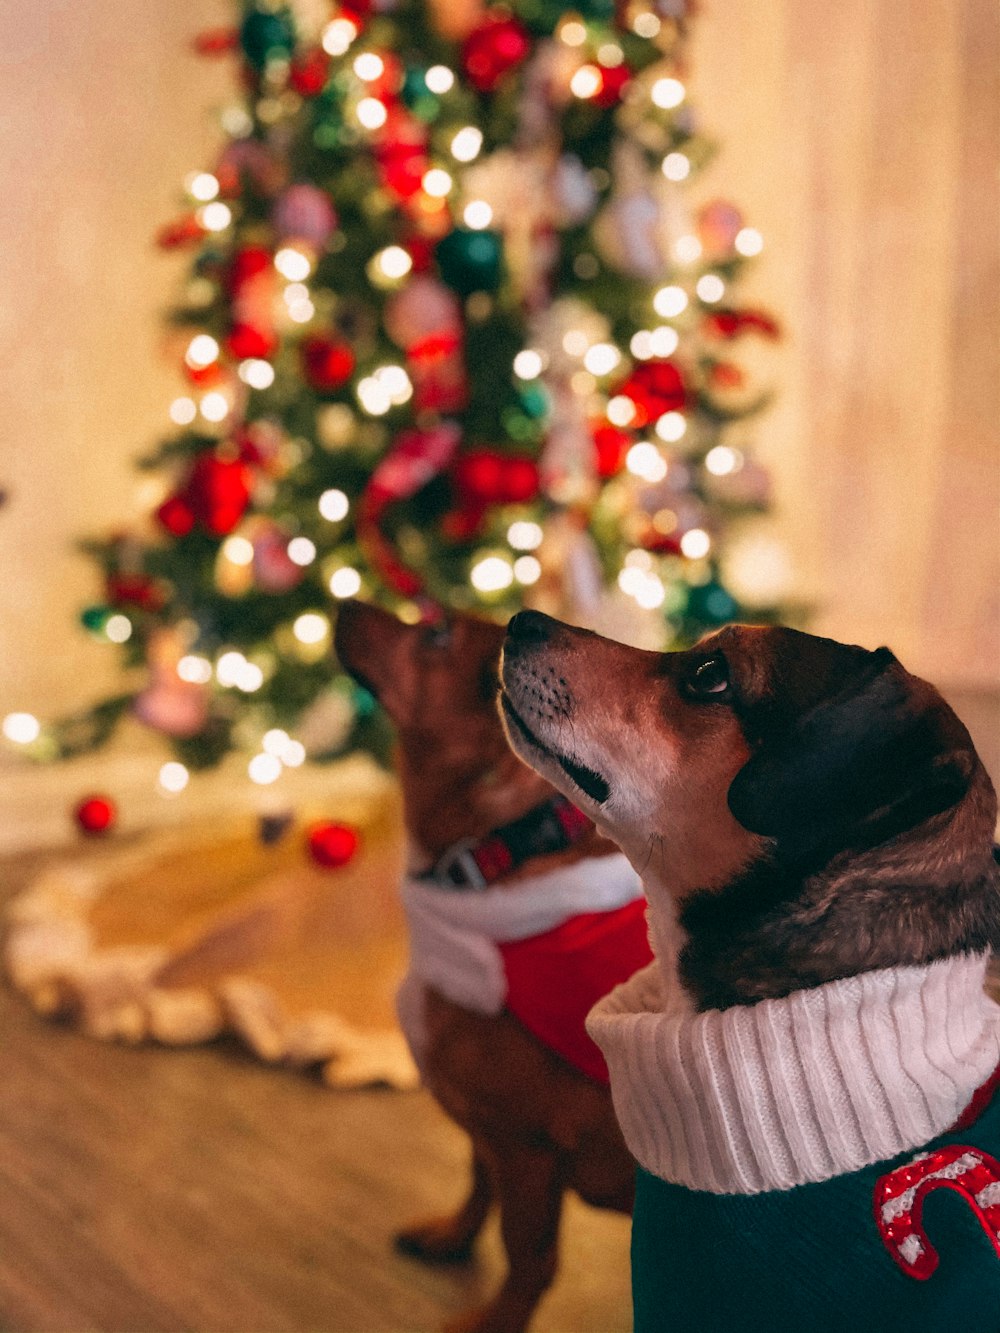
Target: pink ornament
273,568
304,212
718,225
252,159
424,308
169,704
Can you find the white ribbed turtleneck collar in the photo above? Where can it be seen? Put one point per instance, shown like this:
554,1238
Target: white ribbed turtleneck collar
784,1092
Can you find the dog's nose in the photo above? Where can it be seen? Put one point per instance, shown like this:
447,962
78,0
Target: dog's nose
529,627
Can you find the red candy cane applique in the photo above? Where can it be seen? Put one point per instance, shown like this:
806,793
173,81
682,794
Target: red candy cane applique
899,1201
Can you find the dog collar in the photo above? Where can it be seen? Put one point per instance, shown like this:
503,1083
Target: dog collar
550,827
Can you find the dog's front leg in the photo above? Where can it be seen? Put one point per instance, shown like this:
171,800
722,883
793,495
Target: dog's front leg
530,1183
445,1240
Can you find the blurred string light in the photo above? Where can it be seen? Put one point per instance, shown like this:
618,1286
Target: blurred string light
21,728
345,582
671,427
528,364
722,460
202,351
491,574
439,79
194,669
238,551
214,406
696,544
257,374
670,301
173,778
292,264
338,35
301,551
311,627
281,746
527,569
710,287
466,143
118,628
334,505
215,216
524,535
233,670
749,242
203,186
676,166
183,411
668,93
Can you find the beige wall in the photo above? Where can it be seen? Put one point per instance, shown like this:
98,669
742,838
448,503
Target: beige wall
104,111
861,138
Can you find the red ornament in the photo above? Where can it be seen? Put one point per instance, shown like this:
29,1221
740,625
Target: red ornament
414,458
654,387
246,264
218,492
724,375
95,815
333,845
497,45
400,150
611,444
135,590
182,231
520,480
176,516
216,41
308,73
245,340
731,323
484,476
614,80
326,362
478,476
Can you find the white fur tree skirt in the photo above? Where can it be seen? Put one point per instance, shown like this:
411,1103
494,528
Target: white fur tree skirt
183,935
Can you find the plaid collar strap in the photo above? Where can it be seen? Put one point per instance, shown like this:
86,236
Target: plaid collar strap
550,827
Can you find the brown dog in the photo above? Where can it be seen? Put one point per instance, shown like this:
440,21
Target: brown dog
814,830
491,828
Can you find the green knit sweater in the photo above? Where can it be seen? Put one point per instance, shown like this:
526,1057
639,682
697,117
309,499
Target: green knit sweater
811,1259
802,1168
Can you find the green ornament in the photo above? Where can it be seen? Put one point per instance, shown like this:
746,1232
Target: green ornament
470,261
534,401
94,618
711,604
546,15
267,36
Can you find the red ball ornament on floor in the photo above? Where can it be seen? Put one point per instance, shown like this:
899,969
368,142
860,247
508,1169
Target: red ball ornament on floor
95,815
332,845
499,44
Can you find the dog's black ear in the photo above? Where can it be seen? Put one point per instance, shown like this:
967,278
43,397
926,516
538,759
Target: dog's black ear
879,757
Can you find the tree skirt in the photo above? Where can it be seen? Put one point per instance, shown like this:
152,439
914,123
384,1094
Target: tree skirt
185,935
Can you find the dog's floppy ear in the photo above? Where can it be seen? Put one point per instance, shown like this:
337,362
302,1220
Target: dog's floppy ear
879,757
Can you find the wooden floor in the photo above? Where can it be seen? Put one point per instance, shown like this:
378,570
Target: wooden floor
145,1190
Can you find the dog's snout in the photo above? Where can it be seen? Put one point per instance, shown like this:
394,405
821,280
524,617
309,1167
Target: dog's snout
531,627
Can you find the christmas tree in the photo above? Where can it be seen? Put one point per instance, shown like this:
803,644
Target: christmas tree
451,333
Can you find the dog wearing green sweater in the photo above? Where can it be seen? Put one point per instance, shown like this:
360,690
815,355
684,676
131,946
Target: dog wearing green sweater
806,1072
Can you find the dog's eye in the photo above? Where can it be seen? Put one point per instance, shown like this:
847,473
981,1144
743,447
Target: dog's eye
709,679
437,634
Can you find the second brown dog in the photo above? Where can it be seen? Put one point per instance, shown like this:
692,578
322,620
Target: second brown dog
487,835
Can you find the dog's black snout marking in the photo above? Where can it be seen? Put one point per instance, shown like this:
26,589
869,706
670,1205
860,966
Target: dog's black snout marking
530,627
